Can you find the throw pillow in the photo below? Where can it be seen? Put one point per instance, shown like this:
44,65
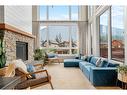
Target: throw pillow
30,68
84,58
103,63
51,55
113,65
20,65
88,58
98,62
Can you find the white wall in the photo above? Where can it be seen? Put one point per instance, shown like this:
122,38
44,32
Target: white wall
19,17
1,14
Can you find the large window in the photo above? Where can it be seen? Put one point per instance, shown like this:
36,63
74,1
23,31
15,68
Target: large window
43,12
63,38
59,13
74,12
59,28
117,17
104,34
112,33
58,36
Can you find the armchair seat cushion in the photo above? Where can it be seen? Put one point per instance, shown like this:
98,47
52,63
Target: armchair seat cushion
29,83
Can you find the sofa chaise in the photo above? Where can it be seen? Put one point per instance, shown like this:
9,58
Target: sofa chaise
99,71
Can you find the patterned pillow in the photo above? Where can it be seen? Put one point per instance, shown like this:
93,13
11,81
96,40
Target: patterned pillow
19,64
104,63
83,58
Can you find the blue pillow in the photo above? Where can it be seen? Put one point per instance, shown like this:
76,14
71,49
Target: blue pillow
88,58
104,63
51,55
112,65
76,57
30,68
93,60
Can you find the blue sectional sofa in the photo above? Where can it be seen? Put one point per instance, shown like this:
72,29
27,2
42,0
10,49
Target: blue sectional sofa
99,71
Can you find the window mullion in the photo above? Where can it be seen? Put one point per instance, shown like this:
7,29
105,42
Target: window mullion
70,39
109,35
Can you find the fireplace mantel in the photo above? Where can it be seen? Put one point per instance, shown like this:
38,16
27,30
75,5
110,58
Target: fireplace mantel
11,28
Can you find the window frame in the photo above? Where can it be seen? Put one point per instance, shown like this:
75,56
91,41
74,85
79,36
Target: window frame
69,14
112,38
106,31
110,34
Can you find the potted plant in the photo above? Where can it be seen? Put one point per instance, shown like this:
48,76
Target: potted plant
122,73
122,69
38,54
2,54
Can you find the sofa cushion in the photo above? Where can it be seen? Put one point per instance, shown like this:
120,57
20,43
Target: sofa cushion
71,62
78,56
51,55
84,63
104,63
88,58
93,60
113,65
83,58
86,70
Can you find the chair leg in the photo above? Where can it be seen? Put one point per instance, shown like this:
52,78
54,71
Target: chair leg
51,84
49,80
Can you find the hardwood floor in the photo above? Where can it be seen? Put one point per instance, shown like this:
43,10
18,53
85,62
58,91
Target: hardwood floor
69,78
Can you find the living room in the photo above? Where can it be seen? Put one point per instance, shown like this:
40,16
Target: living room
76,46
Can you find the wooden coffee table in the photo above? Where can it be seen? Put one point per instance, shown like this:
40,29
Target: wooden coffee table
55,59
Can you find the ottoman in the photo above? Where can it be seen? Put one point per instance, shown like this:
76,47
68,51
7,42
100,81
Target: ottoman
71,62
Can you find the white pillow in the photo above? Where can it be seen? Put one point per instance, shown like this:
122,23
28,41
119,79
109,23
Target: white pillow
98,62
20,65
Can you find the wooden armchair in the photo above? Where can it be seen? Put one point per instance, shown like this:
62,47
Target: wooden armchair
28,81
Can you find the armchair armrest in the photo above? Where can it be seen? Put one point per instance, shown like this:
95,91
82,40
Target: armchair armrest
39,71
103,76
28,75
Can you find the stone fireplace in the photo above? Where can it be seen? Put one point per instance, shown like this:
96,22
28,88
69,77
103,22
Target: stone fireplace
11,37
